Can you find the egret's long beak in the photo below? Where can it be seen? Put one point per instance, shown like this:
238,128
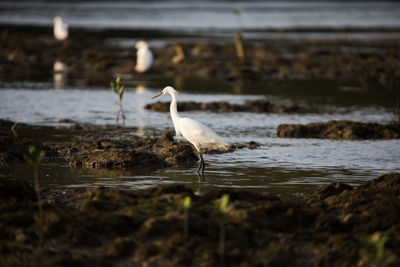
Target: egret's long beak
157,95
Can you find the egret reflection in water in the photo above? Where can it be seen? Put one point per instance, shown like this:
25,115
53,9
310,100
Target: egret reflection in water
59,74
141,91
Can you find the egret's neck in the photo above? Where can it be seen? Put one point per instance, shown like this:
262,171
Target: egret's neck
174,109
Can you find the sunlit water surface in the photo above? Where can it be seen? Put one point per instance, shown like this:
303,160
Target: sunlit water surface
279,165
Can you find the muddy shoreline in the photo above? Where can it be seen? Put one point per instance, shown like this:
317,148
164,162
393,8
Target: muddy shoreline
337,225
30,54
99,146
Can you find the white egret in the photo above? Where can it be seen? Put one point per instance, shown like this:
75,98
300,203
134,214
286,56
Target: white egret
199,135
60,29
144,57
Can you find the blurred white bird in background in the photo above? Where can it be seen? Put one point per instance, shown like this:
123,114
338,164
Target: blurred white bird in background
144,57
60,29
199,135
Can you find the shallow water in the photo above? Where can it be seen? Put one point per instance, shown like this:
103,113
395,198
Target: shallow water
283,166
214,18
179,14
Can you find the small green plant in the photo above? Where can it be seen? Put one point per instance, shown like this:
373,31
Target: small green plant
186,204
34,159
222,205
119,90
236,10
13,129
238,39
373,250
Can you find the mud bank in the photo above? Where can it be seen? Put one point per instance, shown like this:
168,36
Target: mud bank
336,226
340,130
93,57
93,147
256,106
100,147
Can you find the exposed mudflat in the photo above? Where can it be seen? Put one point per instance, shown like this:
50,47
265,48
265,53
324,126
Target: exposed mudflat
340,130
91,146
28,53
108,227
88,148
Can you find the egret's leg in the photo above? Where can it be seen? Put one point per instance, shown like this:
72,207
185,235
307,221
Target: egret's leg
202,160
201,166
201,163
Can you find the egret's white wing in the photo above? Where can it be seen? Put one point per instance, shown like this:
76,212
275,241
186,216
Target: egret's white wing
198,133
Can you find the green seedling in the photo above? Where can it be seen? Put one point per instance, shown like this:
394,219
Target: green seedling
222,205
373,251
236,10
186,204
238,39
34,159
13,129
119,90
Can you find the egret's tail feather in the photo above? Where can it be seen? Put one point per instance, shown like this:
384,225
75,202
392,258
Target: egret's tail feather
219,145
